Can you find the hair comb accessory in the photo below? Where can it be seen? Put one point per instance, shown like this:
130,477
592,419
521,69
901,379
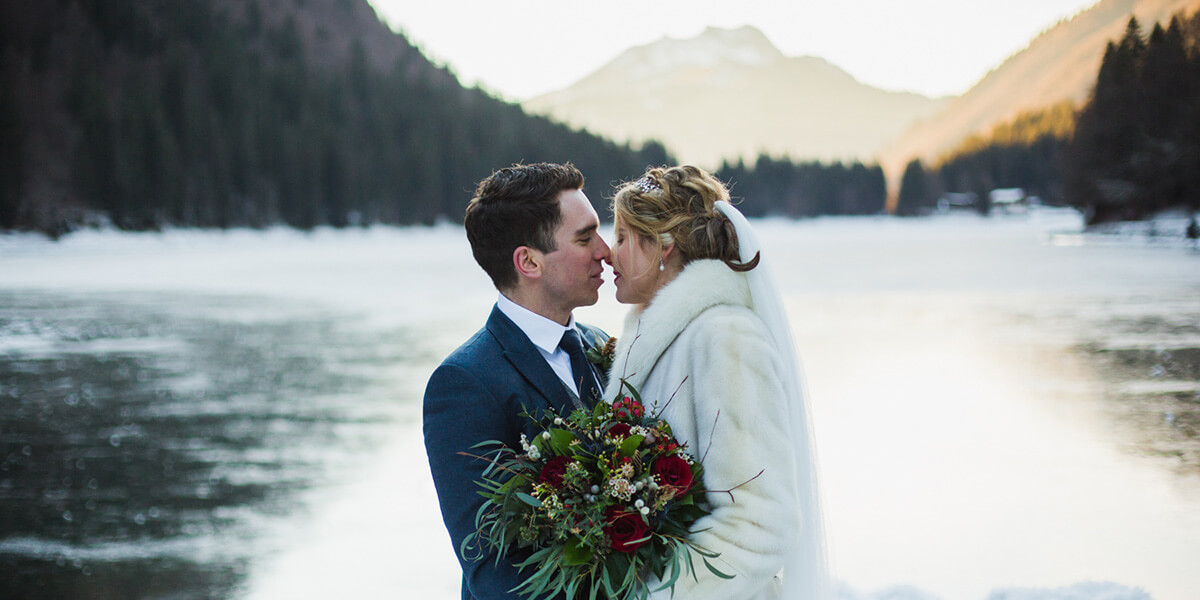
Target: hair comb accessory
647,185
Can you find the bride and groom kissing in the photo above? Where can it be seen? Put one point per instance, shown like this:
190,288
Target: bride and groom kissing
706,329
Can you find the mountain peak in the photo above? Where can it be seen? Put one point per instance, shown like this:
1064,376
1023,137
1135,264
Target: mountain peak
745,44
713,47
750,97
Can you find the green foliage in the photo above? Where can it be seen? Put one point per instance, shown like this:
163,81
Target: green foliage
587,503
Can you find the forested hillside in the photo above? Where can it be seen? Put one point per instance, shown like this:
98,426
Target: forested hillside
1131,150
1136,148
149,113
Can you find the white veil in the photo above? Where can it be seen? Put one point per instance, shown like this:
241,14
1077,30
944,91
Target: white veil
806,569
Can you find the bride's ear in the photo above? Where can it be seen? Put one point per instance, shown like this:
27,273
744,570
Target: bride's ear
528,262
667,251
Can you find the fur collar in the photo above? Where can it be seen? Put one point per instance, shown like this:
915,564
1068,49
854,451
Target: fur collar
649,330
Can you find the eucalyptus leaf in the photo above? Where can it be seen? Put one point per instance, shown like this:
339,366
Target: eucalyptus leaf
632,391
676,569
608,582
530,500
715,571
572,588
536,558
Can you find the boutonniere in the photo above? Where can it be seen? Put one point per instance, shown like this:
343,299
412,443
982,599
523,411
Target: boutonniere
601,352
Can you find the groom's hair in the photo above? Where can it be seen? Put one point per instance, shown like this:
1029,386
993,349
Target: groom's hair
516,206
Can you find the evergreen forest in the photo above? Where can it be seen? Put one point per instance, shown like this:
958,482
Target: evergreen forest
781,187
1132,150
1136,146
149,113
144,114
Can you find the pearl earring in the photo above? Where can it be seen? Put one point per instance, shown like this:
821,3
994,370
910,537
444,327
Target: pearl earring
661,266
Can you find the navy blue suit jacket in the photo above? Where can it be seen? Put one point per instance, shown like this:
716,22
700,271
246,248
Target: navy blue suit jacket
478,394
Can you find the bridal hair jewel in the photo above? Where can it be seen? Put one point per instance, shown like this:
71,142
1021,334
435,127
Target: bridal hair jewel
647,185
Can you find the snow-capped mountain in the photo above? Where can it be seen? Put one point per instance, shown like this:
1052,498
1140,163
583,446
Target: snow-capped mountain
746,46
729,94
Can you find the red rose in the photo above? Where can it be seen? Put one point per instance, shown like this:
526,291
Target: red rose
626,529
621,430
673,471
552,473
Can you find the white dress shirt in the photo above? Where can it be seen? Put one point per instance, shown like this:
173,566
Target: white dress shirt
545,335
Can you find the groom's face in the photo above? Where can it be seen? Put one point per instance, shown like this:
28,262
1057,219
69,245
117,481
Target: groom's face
573,270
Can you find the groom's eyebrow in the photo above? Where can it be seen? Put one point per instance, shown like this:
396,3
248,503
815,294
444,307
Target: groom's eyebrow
586,230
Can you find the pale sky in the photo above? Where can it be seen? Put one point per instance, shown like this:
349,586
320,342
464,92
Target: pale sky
524,48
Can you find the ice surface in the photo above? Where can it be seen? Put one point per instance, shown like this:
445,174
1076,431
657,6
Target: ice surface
966,452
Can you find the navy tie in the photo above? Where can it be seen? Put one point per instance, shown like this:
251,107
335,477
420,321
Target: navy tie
588,386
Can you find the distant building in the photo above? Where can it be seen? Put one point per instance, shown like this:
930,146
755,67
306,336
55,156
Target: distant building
957,201
1008,199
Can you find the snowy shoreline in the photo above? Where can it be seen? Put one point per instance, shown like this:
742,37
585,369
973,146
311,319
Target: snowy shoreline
1168,228
1164,229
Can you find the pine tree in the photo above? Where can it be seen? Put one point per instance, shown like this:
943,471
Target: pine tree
1135,149
915,193
1166,91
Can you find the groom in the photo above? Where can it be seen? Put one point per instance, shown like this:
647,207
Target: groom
534,232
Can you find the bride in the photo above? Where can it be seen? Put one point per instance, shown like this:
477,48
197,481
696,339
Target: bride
708,332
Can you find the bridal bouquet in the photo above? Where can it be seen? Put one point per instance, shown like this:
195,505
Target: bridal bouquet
601,499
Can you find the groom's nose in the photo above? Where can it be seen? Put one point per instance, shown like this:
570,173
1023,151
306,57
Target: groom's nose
602,250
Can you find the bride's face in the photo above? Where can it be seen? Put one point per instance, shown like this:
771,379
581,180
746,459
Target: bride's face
635,264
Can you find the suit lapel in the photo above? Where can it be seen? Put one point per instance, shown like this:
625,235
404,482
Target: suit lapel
525,358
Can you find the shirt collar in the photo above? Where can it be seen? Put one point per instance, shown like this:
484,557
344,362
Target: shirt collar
543,332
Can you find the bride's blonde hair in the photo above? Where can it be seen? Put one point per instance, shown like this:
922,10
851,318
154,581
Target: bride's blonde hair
676,206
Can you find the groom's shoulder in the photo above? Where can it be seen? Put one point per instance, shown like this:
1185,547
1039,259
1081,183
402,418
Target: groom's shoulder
474,363
481,348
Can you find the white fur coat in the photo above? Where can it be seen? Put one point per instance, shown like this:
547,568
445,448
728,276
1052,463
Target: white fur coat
699,342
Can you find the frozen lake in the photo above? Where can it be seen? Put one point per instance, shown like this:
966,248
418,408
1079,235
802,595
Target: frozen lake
1005,409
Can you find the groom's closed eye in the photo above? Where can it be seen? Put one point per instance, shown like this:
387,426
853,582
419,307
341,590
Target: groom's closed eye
585,235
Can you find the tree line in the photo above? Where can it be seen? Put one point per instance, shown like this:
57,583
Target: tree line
153,113
1132,150
1136,148
781,187
178,113
1024,153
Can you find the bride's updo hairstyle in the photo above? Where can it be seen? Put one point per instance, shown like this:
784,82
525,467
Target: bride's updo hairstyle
676,206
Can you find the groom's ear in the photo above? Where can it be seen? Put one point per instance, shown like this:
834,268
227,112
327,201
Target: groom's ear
528,262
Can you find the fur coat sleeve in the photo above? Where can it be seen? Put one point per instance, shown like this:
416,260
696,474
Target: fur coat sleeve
732,408
708,362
